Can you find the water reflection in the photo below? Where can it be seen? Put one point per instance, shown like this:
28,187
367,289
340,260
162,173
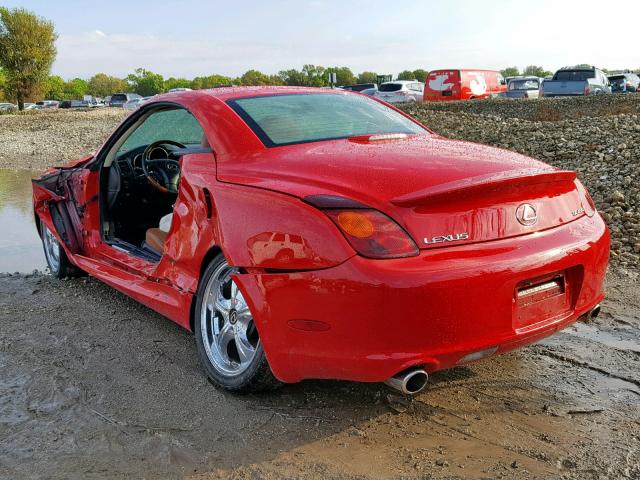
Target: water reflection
20,247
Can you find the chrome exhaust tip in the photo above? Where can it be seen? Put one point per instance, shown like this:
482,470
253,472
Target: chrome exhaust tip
409,382
595,311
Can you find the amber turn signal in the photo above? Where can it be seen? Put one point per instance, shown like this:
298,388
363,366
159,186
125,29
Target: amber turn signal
355,224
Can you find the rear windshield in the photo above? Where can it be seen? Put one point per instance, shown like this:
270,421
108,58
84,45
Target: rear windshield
390,87
120,97
524,85
574,75
300,118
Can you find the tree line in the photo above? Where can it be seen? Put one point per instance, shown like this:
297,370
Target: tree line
147,83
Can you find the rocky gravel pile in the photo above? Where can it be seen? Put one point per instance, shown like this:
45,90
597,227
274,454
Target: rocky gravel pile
604,150
546,109
35,140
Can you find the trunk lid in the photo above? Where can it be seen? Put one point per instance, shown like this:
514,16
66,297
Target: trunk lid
442,192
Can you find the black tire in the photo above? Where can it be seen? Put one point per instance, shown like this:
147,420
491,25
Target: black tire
63,268
257,376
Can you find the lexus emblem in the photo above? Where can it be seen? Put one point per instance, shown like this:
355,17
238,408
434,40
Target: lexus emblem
527,215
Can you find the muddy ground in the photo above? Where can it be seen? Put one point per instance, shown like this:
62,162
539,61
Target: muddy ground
94,385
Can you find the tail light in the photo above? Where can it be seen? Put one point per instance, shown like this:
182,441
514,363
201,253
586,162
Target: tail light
371,233
587,89
587,202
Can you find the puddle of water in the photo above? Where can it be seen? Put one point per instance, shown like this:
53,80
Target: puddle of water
592,333
20,247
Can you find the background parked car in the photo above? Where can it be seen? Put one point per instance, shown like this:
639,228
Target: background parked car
75,104
8,106
576,81
442,85
119,99
359,87
30,106
523,87
624,82
400,91
369,91
135,103
47,104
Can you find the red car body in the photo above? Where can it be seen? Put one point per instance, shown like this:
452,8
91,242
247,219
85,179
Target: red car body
481,281
445,85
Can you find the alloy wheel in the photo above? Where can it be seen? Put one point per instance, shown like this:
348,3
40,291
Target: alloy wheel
229,335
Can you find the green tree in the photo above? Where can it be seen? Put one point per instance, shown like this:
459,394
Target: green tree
420,74
54,88
292,77
510,72
75,89
367,77
254,77
315,76
406,75
344,75
536,71
27,50
171,82
102,85
210,81
145,82
3,82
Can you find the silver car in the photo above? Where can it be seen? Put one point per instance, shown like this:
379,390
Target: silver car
400,91
8,106
524,87
135,103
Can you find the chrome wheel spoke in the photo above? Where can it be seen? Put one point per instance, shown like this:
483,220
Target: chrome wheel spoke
225,337
245,349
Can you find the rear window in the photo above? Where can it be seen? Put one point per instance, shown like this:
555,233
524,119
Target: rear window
301,118
524,85
390,87
574,75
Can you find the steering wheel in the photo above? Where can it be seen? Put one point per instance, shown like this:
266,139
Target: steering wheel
162,173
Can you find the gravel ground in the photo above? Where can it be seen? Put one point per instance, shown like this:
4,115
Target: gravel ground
40,139
94,385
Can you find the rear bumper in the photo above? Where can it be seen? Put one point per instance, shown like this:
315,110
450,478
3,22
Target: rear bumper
367,320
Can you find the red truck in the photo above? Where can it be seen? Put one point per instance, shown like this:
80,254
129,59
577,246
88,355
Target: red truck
442,85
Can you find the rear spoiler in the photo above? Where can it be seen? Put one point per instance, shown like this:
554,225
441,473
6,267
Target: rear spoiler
483,183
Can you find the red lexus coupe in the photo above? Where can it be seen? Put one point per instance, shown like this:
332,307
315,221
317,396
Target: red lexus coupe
309,233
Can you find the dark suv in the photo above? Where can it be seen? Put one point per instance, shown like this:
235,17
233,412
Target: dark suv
624,82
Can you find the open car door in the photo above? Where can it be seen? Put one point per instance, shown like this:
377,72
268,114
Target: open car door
60,199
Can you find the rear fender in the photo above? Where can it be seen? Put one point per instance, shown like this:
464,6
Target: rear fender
246,224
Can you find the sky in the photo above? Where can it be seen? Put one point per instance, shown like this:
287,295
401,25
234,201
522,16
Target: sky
192,38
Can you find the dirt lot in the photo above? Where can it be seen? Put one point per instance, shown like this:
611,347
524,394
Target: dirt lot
94,385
